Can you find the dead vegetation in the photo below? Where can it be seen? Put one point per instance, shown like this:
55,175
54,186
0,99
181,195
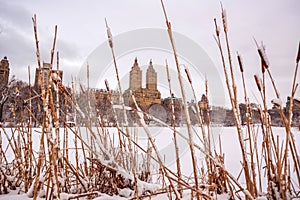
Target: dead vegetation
72,162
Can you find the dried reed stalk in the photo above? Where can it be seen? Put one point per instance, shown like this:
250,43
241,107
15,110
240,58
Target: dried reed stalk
290,114
160,161
233,100
187,117
121,139
249,127
36,41
57,122
281,162
174,132
206,142
133,167
37,183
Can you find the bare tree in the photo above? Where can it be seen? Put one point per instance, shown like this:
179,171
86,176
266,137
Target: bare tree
5,94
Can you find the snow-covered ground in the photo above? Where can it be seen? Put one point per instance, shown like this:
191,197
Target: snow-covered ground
163,138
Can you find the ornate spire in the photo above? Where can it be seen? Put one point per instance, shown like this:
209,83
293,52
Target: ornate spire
150,67
135,64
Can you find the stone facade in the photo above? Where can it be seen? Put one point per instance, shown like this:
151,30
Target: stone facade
46,74
167,104
4,71
295,110
296,104
135,80
151,78
145,98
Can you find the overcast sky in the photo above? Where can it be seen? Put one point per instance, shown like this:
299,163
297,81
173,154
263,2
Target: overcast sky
81,29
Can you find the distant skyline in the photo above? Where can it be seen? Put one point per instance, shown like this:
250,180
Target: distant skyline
81,29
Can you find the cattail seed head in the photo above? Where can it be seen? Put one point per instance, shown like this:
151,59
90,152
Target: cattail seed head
224,19
217,28
107,85
298,55
240,63
167,69
258,82
263,69
276,102
110,40
87,70
188,74
109,35
259,111
169,25
206,86
263,57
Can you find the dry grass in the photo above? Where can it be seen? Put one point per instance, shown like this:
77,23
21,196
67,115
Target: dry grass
96,162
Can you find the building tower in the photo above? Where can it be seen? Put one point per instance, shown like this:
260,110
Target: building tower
4,71
135,80
45,72
151,77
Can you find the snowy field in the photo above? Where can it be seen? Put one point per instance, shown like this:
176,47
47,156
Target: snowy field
163,138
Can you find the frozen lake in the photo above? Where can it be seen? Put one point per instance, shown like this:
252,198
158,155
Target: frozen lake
163,138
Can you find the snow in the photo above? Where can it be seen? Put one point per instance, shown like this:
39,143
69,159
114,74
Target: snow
30,191
147,187
107,197
163,140
277,102
115,106
262,198
126,192
14,196
64,196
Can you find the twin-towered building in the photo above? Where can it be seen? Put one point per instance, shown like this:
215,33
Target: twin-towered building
145,97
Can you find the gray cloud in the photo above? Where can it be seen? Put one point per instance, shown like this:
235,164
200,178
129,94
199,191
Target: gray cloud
81,29
15,15
15,41
18,44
